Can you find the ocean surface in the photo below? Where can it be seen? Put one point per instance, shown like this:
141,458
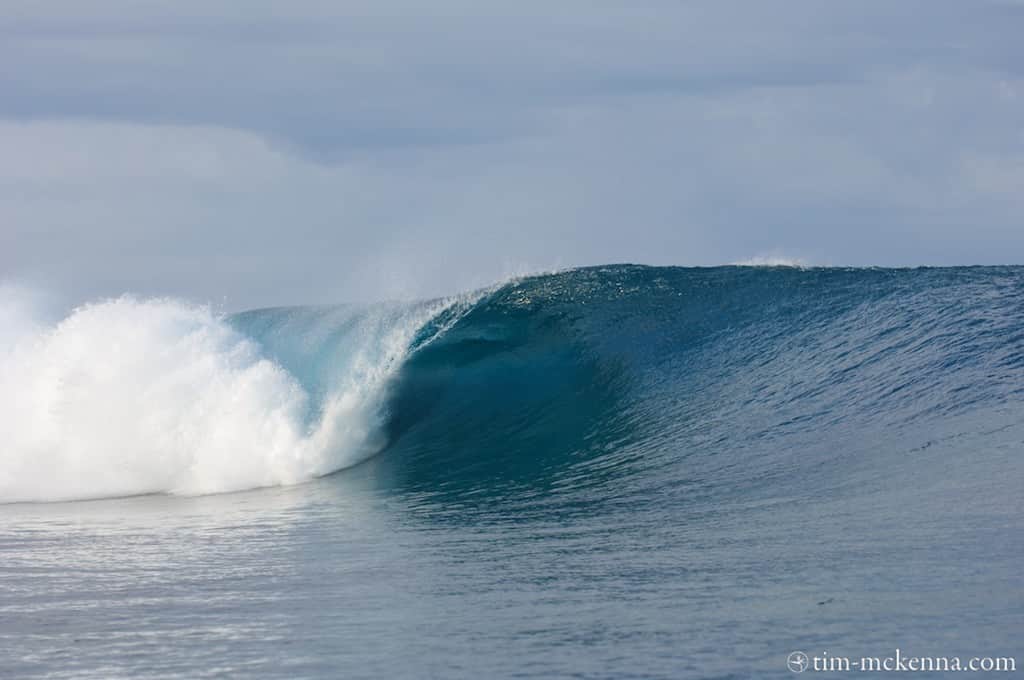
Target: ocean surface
611,472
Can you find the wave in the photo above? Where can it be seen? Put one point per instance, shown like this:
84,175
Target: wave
622,382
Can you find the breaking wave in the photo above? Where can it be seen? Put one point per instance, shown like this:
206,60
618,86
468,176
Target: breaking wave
659,381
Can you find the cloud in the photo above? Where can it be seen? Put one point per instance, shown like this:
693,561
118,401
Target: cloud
321,151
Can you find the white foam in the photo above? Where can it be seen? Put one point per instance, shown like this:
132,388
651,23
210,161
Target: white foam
772,260
133,396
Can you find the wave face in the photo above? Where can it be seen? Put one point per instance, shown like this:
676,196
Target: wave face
609,384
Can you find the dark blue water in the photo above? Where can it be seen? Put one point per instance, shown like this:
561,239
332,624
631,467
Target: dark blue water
615,472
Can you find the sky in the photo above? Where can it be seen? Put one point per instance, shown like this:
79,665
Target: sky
264,153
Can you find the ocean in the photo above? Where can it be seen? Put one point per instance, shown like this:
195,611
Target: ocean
608,472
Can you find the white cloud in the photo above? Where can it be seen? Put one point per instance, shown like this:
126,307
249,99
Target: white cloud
323,151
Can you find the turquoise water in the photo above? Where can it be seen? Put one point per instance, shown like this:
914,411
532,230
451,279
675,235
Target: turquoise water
604,473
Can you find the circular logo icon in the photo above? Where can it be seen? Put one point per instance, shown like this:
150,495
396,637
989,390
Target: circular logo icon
798,662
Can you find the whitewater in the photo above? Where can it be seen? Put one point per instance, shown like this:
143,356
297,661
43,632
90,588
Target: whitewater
135,396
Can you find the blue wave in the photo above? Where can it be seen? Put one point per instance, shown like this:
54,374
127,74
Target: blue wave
647,384
606,384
